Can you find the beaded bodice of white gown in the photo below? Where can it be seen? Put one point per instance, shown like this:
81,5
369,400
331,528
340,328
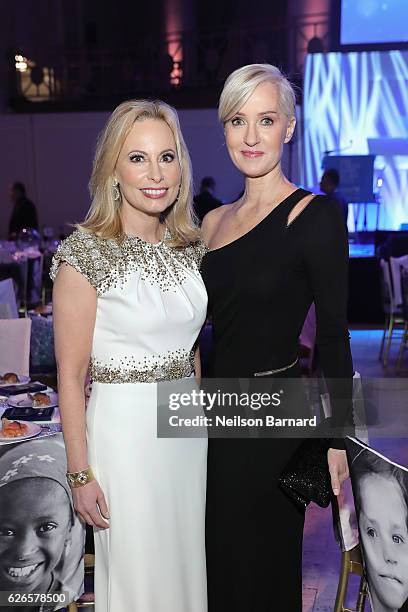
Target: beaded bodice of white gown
151,305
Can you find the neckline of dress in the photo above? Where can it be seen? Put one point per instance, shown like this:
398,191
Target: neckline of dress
278,206
133,237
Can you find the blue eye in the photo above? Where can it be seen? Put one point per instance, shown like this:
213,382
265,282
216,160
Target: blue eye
136,158
267,121
237,121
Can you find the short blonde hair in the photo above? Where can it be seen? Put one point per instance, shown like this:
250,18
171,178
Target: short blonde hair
104,218
241,84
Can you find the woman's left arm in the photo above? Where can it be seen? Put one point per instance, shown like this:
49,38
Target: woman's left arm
327,265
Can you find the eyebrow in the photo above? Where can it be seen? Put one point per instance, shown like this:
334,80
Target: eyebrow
170,150
370,520
268,112
392,526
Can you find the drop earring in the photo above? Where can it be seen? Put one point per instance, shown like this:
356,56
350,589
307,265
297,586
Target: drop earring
115,190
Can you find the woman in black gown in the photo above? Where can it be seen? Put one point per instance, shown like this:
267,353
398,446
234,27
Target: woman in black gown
271,254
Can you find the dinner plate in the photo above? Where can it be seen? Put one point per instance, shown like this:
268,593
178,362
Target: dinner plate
41,310
24,401
33,429
23,380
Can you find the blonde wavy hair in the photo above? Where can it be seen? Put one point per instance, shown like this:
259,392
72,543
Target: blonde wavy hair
241,84
104,216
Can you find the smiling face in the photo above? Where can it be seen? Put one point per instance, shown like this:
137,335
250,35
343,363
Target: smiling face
256,134
384,535
32,533
148,170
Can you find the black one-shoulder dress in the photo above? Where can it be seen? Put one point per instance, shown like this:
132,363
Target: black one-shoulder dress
260,288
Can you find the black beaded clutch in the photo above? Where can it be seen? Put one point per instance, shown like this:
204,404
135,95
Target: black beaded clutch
306,477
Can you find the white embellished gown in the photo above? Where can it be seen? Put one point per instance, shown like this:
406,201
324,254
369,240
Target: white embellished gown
150,308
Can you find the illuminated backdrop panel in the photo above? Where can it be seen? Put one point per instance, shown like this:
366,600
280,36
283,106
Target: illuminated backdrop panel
373,21
357,103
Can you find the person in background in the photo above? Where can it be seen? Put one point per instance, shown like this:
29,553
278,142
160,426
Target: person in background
205,200
24,213
329,184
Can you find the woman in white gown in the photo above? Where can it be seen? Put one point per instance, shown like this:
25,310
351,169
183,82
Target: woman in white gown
129,301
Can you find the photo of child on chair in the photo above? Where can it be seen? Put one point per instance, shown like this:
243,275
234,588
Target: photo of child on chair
41,540
380,490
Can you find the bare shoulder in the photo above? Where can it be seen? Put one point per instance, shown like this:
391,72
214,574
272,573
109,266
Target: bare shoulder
211,220
298,209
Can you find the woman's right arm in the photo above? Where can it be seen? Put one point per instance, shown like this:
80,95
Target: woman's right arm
74,313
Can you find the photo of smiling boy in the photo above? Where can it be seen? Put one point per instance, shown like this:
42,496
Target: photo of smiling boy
41,542
380,492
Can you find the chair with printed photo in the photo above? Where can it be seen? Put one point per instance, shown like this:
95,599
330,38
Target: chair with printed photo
380,489
346,534
87,599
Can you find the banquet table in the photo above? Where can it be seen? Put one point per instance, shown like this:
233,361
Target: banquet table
28,265
18,271
48,428
25,268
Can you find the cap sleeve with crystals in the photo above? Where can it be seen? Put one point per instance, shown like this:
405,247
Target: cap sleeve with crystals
86,253
198,250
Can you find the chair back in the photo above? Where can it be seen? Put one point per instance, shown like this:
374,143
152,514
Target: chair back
8,304
15,346
387,294
396,263
404,292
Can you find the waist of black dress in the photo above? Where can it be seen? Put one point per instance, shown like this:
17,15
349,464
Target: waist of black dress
220,367
283,370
